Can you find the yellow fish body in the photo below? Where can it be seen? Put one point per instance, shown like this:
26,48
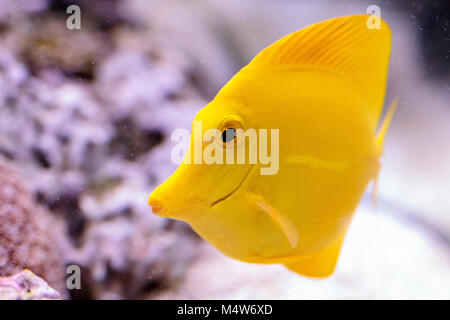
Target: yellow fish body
323,87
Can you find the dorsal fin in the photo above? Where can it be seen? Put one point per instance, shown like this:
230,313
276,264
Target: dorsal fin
344,45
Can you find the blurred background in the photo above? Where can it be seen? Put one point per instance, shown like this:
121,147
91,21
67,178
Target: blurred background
85,122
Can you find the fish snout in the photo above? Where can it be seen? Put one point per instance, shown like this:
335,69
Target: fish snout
156,204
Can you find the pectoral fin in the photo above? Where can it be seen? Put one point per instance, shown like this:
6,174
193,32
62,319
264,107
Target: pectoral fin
319,264
286,226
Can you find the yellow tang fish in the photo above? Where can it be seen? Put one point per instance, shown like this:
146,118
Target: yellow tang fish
321,90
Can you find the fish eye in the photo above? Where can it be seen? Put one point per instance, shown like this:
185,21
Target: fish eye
228,135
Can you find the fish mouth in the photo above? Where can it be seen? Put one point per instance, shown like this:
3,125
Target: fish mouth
234,190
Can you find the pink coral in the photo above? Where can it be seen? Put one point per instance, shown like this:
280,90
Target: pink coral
29,235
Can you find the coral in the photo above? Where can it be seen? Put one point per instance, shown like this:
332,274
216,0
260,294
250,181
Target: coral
25,285
29,235
90,131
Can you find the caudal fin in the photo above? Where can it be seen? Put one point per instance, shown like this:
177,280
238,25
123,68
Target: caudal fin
385,125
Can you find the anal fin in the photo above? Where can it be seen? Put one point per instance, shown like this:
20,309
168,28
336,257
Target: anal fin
319,264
